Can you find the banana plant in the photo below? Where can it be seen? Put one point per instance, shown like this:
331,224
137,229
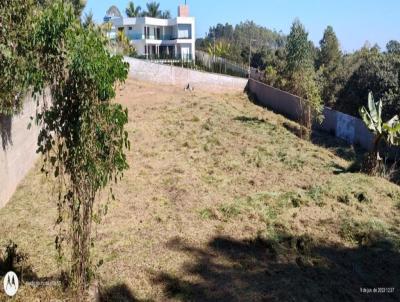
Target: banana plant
389,131
219,49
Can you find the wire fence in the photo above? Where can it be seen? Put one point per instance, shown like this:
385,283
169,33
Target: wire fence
202,62
215,64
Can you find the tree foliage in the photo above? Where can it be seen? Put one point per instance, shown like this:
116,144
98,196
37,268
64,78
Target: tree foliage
219,49
132,10
16,54
298,51
328,61
153,10
389,131
240,36
329,54
300,74
370,70
393,47
82,135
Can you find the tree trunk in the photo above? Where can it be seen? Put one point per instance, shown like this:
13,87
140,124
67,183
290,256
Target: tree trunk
373,162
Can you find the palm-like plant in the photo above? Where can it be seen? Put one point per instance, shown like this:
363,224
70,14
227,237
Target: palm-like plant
153,9
79,5
389,131
133,11
89,20
219,49
166,14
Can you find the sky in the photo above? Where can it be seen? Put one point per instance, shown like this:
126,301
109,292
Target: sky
354,21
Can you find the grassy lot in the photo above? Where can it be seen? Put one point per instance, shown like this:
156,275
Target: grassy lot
223,202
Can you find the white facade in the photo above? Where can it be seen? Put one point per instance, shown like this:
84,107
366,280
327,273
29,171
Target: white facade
159,38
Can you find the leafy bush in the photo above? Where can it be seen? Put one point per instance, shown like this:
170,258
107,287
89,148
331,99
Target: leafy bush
389,131
82,133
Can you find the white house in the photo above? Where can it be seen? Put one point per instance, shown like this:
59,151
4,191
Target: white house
160,38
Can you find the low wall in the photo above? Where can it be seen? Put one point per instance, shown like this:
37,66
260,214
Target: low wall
344,126
17,149
172,75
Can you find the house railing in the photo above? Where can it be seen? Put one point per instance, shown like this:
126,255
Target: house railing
139,36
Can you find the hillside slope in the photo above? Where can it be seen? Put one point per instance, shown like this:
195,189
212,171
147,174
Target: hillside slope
223,202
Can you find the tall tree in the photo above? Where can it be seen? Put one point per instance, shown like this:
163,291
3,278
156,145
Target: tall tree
82,133
329,49
89,20
300,74
133,11
328,61
166,14
393,47
153,10
79,5
298,52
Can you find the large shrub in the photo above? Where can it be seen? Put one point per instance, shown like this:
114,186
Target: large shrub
82,133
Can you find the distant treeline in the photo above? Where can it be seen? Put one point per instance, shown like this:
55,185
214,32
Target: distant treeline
321,73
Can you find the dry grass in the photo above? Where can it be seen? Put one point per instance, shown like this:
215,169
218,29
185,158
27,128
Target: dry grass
223,202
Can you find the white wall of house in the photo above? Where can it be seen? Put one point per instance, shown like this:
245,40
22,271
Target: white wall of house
153,36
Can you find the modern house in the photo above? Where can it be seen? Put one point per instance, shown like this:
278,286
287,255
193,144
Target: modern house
159,38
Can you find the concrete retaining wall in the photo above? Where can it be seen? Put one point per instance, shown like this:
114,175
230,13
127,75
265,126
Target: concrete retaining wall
17,149
344,126
164,74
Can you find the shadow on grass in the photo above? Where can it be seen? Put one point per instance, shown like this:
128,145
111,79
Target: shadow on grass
250,120
288,269
118,293
338,146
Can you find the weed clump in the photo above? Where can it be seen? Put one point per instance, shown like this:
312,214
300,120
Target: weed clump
367,233
350,197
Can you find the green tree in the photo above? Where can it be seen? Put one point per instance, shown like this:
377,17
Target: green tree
300,75
153,10
240,36
329,54
166,14
133,11
79,5
298,52
88,20
16,53
82,133
393,47
389,131
219,49
221,31
328,61
370,70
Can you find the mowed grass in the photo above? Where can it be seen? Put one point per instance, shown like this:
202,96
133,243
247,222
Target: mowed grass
222,202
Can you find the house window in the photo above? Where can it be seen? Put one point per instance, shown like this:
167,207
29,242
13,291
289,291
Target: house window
147,32
130,27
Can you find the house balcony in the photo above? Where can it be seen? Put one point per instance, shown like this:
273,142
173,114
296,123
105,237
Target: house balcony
137,36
